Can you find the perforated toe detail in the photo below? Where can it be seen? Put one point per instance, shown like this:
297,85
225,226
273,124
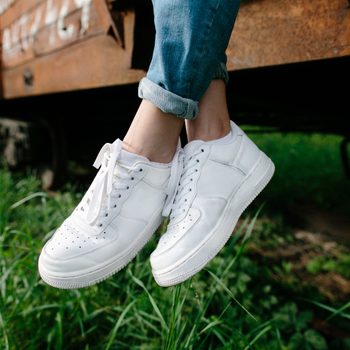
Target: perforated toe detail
176,231
69,241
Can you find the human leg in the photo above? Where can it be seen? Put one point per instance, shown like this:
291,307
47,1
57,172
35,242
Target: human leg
189,51
220,179
223,172
153,133
123,206
213,121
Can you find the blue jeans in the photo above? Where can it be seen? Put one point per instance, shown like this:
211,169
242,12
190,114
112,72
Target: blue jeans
189,52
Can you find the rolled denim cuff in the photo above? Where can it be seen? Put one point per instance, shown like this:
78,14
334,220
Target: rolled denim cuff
167,101
221,73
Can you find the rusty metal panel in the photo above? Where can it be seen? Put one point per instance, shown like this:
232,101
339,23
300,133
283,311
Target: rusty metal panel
33,35
272,32
83,65
61,45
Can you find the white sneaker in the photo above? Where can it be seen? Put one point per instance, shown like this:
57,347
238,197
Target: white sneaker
114,220
219,180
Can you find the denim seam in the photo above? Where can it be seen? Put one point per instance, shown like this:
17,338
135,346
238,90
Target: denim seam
221,73
145,91
201,50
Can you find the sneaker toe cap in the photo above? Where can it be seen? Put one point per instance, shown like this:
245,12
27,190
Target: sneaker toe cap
67,252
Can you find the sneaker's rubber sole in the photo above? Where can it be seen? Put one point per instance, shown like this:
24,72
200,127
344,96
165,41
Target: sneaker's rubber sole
83,279
253,184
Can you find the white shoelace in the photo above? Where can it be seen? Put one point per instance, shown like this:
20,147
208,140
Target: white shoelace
175,173
105,181
183,194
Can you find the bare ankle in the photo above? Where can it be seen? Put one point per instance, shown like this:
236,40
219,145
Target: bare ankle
154,154
207,131
213,120
153,134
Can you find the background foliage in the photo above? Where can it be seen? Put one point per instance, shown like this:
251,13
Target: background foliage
274,286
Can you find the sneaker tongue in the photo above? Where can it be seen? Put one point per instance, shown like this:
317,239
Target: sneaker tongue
192,146
129,159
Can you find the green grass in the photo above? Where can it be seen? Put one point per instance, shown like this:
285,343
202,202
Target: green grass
308,171
240,301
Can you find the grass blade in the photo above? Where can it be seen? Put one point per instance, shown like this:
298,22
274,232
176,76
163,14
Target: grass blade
335,312
114,331
227,290
28,198
152,301
259,335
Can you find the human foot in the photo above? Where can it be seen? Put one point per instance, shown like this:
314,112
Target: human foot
219,180
114,220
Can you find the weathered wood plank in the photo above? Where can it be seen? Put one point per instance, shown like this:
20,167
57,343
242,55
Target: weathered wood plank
267,32
272,32
91,63
5,5
48,27
107,20
16,10
72,21
102,10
